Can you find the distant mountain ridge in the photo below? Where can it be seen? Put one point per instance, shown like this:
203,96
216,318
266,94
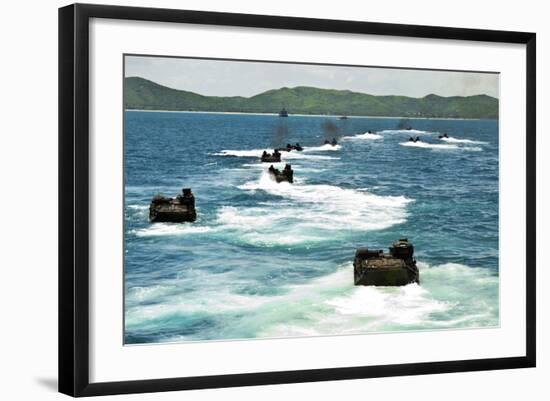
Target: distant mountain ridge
142,94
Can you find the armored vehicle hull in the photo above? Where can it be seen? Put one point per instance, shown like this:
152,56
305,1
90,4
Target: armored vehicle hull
173,210
287,175
396,268
290,147
274,157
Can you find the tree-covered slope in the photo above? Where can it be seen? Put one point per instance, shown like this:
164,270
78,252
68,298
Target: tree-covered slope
143,94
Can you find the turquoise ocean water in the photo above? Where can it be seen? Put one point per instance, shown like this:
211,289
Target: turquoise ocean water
275,260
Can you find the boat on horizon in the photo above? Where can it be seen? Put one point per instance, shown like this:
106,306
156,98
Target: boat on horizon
283,113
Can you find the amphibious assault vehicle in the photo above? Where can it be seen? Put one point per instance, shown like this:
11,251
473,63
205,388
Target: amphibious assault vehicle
173,210
398,267
290,147
286,175
274,157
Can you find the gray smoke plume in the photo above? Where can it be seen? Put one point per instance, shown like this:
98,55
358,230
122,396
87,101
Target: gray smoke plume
403,124
280,133
330,130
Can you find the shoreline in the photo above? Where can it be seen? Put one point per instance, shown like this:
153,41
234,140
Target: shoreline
304,115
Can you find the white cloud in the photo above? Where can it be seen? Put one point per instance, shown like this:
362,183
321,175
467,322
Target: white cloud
243,78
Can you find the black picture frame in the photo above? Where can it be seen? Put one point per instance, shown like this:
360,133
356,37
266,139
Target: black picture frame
74,200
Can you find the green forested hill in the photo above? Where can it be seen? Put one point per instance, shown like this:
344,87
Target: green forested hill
140,93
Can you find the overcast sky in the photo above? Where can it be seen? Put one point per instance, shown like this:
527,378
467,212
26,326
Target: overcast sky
243,78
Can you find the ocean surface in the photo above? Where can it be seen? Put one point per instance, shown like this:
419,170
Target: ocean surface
268,260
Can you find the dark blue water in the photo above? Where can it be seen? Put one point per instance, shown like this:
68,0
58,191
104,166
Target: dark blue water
274,260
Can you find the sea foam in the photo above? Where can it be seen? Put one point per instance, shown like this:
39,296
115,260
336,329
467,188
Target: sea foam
323,148
426,145
339,307
366,135
284,155
326,305
436,146
408,131
313,211
162,229
458,140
